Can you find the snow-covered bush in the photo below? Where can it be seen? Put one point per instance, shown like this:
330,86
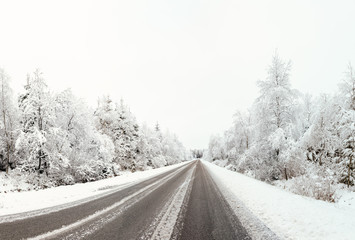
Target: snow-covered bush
315,183
66,179
221,163
159,161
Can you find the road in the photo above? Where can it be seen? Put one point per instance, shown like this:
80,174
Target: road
183,203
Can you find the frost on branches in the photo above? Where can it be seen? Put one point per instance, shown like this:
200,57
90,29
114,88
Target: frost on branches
53,139
8,124
303,142
37,121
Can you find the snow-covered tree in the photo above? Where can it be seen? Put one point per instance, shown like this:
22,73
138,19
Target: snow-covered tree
216,148
307,112
106,116
285,136
321,140
171,148
150,148
59,135
242,128
78,141
126,137
275,108
347,88
117,122
8,123
276,93
37,116
347,127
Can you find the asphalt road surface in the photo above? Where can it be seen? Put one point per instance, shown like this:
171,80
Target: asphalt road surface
183,203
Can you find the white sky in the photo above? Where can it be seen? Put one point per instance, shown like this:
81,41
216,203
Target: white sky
188,64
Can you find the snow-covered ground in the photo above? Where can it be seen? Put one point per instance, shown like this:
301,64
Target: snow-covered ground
17,202
290,216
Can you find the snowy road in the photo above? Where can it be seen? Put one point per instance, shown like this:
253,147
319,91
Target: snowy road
183,203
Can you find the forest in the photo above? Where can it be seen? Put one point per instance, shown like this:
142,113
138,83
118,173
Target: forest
301,142
50,139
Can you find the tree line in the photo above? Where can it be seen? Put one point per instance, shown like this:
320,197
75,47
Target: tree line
287,135
58,139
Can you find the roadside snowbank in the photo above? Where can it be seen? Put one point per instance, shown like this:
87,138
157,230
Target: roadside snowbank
290,216
342,195
17,202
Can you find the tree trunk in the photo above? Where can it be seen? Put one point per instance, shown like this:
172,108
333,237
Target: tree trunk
39,160
349,170
8,159
286,174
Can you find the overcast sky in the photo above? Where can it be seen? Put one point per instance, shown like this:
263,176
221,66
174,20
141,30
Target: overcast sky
187,64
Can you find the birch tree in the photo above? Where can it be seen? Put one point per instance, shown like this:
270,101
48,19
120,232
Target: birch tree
277,101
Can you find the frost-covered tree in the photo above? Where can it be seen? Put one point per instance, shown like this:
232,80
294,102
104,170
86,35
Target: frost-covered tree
145,151
156,149
126,137
347,127
321,140
307,112
242,127
8,123
37,116
232,143
307,139
87,152
347,88
117,122
150,150
171,148
276,107
276,93
106,116
216,148
59,135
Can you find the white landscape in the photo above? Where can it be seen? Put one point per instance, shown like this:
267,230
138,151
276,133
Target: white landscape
290,216
177,120
306,219
17,202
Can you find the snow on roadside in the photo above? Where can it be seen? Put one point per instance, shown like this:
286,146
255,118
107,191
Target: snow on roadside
289,215
346,199
17,202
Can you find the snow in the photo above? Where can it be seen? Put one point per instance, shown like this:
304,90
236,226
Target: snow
106,215
164,224
288,215
346,199
18,202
